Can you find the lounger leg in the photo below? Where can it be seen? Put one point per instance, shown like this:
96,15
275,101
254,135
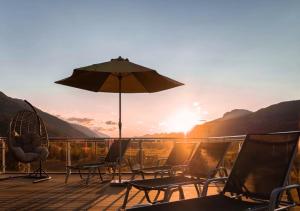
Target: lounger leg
132,175
198,190
148,197
80,174
67,175
143,175
100,174
157,195
88,177
167,195
181,194
126,196
113,173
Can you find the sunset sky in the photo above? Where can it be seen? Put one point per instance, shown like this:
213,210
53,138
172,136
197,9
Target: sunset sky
229,54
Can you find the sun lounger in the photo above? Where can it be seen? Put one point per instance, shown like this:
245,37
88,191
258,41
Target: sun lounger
112,161
257,181
177,160
204,165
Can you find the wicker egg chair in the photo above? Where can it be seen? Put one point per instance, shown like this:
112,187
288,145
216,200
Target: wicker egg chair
28,141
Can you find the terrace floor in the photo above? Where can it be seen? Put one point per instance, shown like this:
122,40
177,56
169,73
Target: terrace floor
22,194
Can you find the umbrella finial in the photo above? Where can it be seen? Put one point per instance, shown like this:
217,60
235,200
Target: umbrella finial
120,59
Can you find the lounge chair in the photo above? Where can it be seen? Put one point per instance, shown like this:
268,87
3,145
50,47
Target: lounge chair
177,160
257,181
205,164
111,161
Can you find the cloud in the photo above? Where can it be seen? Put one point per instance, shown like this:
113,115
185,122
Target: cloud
85,121
103,129
109,122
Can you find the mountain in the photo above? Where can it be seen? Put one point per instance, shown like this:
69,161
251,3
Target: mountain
88,132
55,126
284,116
236,113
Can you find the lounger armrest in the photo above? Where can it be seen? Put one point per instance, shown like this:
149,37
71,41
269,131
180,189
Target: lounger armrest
183,168
160,160
209,181
278,191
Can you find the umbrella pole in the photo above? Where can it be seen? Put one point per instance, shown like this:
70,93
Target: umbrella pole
120,125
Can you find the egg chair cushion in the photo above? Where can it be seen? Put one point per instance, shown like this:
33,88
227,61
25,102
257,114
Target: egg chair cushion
43,152
21,156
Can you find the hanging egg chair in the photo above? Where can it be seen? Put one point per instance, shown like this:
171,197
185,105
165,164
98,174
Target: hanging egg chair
28,141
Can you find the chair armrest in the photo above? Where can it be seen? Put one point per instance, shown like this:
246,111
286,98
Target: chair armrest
213,180
278,191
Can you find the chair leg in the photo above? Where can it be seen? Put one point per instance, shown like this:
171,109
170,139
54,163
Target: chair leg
157,195
126,196
67,175
113,173
167,195
100,174
143,175
80,174
132,175
148,197
197,189
181,193
88,177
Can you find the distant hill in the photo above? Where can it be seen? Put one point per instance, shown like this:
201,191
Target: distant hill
55,126
88,132
164,135
236,113
284,116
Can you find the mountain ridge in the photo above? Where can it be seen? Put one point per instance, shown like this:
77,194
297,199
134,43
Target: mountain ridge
280,117
56,127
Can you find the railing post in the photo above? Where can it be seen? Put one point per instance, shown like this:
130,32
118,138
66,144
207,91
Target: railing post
141,154
68,156
3,156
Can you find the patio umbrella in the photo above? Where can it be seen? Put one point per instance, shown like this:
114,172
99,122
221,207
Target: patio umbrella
118,76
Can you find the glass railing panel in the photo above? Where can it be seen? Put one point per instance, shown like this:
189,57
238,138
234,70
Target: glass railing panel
132,156
56,161
83,151
154,150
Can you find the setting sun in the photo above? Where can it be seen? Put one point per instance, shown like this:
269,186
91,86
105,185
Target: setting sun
182,120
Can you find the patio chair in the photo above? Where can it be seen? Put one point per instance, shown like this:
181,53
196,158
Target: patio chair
178,159
28,141
205,164
257,181
111,161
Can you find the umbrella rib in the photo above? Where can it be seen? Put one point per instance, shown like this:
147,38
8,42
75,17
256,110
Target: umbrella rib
136,76
99,89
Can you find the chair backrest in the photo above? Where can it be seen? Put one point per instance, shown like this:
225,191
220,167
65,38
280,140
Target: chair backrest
117,149
207,158
180,154
263,164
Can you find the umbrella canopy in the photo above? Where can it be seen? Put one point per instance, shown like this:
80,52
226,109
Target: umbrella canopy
118,76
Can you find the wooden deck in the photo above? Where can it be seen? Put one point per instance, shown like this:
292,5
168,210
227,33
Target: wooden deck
22,194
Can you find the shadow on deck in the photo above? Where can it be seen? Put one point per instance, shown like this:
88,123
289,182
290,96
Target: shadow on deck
22,194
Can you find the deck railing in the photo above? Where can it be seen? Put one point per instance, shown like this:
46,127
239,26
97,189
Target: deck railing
142,152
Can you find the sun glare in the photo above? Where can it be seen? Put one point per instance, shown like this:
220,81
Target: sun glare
181,121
